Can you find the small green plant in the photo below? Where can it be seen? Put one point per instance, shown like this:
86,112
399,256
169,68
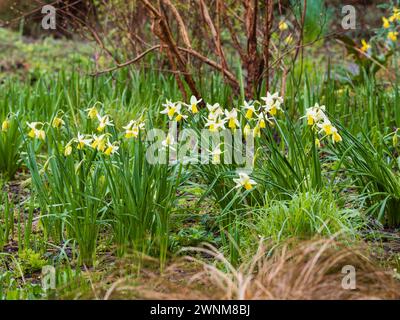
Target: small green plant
306,215
31,261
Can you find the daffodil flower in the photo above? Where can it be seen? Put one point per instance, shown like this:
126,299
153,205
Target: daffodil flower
170,109
57,122
315,114
273,109
215,124
336,136
99,142
193,104
289,39
326,126
67,150
261,120
32,126
386,23
82,142
169,141
103,122
215,111
36,133
283,25
396,15
392,35
244,181
132,129
272,103
247,130
179,115
5,125
270,98
111,148
365,46
92,113
250,110
216,155
232,118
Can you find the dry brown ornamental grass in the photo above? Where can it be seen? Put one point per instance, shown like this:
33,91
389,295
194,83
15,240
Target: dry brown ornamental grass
306,270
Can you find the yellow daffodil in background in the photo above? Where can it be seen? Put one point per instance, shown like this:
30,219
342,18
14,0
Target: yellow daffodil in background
170,109
395,138
32,126
169,141
261,120
214,111
216,155
232,118
273,109
179,114
283,25
82,141
392,35
99,142
132,129
40,134
289,39
365,46
395,16
272,103
336,136
326,126
5,125
315,114
244,181
92,113
67,150
194,104
111,148
36,133
57,123
250,109
103,122
214,125
386,23
247,130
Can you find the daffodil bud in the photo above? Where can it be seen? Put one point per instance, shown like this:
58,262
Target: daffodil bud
5,126
395,139
57,122
67,150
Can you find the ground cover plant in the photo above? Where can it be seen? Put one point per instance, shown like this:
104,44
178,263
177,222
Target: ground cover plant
230,158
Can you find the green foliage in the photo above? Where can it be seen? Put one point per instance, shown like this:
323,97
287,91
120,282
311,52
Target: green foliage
371,172
317,18
10,143
366,64
143,197
306,215
31,261
6,218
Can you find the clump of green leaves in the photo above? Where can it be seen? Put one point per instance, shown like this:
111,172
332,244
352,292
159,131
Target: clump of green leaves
306,215
10,143
31,261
